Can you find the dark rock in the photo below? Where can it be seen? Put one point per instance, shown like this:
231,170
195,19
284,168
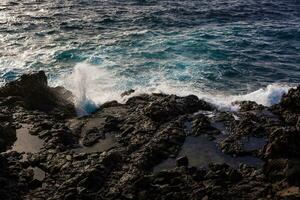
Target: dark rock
127,93
289,107
35,184
109,104
4,117
93,180
7,136
92,136
249,106
232,146
202,125
182,161
291,100
234,175
33,90
292,171
283,143
111,124
166,108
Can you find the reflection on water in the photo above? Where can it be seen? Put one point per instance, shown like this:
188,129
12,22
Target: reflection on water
200,152
26,142
102,145
253,143
39,174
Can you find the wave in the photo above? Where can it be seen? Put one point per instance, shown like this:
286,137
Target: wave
94,85
267,96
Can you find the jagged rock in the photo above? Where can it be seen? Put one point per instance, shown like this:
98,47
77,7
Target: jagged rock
32,91
249,106
93,180
289,107
182,161
284,143
291,100
274,169
202,125
127,93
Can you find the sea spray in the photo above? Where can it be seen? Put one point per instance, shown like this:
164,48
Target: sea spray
78,82
94,85
267,96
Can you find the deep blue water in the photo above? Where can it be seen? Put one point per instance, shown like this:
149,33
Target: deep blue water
209,48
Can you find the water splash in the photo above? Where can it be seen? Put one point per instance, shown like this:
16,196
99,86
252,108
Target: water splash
78,82
267,96
93,85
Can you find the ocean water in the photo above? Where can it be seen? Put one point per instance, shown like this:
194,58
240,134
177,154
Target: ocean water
219,50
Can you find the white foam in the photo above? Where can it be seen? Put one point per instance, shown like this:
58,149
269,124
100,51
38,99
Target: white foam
266,96
91,86
94,85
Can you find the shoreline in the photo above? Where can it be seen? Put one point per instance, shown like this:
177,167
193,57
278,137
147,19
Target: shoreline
147,130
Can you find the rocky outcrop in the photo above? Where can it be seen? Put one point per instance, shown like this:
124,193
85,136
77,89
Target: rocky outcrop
282,166
289,107
112,153
290,101
32,92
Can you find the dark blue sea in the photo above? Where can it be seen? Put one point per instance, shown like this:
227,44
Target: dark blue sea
219,50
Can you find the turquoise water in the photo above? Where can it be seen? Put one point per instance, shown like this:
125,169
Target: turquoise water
219,50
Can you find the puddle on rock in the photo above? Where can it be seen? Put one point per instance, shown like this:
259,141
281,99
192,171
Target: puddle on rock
253,143
38,173
26,142
220,126
200,152
188,127
102,145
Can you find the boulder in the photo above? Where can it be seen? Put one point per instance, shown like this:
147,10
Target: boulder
127,93
34,93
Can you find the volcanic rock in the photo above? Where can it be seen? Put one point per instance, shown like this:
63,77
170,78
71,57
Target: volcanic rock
32,92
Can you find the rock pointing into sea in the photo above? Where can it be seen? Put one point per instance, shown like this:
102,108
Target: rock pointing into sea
32,91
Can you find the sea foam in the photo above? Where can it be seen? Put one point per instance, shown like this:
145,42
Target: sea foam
91,87
94,85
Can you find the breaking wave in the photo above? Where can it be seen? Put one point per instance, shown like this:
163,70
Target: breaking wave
94,85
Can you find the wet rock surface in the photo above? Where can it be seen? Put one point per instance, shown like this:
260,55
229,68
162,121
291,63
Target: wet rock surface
115,152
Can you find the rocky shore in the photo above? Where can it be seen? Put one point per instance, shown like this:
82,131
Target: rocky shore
140,149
